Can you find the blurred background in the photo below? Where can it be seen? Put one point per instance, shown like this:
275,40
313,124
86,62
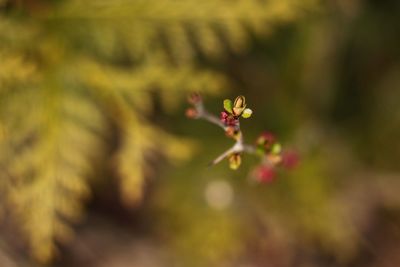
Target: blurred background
100,167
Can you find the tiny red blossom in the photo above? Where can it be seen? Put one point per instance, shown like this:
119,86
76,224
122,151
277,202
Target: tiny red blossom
290,159
230,131
265,142
267,138
194,98
191,113
265,174
228,119
224,115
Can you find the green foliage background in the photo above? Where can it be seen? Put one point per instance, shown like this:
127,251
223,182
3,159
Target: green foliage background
91,106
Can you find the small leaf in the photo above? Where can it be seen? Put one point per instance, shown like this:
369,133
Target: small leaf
276,148
247,113
228,105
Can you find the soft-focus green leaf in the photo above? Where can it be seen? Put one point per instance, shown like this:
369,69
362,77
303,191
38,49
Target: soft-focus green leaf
276,148
228,105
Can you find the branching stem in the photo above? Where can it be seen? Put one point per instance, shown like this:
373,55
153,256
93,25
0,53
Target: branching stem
238,147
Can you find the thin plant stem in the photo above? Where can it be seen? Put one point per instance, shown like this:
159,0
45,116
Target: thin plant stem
238,147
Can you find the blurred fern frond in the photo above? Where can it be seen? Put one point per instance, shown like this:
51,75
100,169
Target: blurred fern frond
72,70
49,159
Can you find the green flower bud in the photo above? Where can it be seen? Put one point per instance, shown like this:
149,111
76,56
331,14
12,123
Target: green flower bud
247,113
234,161
276,149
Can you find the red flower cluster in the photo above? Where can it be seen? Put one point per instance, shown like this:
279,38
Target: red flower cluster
194,99
268,146
228,119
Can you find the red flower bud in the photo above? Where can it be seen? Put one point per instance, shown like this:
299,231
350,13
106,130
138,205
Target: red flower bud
268,137
230,131
290,159
224,115
191,113
265,141
264,174
194,98
228,119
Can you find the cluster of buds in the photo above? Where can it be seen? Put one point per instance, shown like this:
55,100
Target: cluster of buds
266,171
266,145
231,114
196,100
271,152
236,109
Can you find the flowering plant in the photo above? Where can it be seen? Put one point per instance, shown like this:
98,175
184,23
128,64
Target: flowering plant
266,146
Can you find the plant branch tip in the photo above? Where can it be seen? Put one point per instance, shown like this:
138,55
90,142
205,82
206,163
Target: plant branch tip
266,145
